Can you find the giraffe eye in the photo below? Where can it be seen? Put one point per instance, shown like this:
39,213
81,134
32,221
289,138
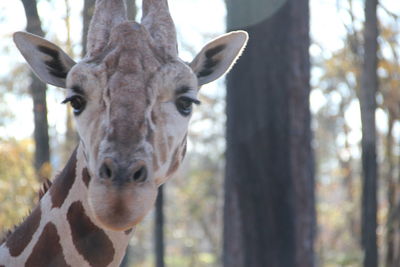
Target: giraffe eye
184,105
78,103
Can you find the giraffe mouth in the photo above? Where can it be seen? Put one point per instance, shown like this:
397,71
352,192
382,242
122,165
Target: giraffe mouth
120,208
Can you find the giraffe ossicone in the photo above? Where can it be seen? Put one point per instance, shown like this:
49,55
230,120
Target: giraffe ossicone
132,97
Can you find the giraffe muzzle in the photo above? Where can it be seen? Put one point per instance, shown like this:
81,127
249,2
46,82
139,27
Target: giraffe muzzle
122,194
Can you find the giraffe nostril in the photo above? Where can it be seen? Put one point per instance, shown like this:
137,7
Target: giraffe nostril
140,175
106,171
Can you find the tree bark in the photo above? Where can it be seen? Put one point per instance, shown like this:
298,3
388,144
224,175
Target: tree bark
269,187
369,87
38,92
159,229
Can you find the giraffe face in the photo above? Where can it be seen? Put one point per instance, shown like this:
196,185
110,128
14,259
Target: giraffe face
132,111
132,99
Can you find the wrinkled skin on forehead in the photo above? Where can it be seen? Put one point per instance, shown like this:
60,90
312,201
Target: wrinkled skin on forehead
131,116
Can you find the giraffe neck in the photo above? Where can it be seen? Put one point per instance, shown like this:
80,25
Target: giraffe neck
61,231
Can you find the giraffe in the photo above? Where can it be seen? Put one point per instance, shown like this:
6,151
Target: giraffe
132,98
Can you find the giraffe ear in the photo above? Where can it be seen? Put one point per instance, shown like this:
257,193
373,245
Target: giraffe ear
218,56
46,59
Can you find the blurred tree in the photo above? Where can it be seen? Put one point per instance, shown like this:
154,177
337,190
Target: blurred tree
88,9
337,148
71,137
337,164
159,229
389,83
38,92
131,8
391,194
18,185
369,87
269,204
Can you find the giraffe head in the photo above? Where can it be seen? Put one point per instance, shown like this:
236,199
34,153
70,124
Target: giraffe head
132,98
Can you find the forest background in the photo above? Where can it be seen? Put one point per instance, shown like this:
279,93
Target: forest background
193,236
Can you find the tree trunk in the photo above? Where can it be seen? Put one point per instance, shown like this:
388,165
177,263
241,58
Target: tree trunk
159,229
391,196
71,136
131,9
88,10
38,91
269,187
369,86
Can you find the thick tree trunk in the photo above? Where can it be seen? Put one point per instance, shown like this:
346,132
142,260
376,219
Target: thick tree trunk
269,188
38,92
159,229
369,86
233,254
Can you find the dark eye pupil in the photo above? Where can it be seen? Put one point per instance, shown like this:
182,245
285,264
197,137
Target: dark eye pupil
184,105
77,103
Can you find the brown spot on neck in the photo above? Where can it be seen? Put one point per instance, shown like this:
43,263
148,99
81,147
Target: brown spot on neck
86,176
20,238
63,183
48,250
90,241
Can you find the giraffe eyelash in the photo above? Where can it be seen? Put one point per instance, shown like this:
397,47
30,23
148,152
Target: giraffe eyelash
193,100
78,103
